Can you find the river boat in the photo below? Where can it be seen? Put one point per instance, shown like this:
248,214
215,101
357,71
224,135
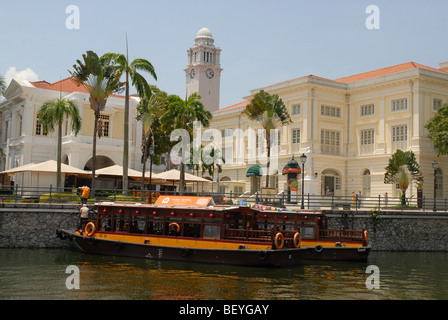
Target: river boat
195,229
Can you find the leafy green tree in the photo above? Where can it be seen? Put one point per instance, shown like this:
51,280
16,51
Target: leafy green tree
98,77
149,109
438,130
270,111
130,69
402,167
52,114
181,114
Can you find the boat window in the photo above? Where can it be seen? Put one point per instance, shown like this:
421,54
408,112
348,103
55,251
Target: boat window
307,233
212,231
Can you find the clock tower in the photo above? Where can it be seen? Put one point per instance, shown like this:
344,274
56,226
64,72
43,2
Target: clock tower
203,71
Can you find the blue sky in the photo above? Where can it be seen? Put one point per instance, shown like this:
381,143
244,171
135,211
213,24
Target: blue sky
262,41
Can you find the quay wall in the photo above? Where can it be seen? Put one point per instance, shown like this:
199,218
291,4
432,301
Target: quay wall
398,230
34,226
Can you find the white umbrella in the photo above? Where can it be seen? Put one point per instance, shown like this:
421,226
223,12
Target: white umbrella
47,166
174,176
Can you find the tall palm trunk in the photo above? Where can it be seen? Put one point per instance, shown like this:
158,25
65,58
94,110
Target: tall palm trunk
182,178
95,133
145,158
126,137
268,147
58,165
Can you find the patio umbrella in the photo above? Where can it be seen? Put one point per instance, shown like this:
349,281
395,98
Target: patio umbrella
47,166
117,171
174,176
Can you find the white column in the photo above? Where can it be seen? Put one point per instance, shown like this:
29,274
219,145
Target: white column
381,144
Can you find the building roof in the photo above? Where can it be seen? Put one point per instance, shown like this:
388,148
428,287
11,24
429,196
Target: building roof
235,106
67,85
385,71
204,33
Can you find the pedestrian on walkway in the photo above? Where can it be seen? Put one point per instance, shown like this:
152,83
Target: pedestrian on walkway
85,194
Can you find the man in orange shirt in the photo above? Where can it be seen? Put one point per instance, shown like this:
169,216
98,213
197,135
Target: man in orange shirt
85,194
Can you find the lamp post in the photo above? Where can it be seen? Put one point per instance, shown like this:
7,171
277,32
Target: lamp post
434,166
303,160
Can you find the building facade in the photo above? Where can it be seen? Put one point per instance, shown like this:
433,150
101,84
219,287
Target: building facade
349,128
24,141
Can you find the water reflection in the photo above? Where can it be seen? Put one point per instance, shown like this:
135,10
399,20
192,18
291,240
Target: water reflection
40,274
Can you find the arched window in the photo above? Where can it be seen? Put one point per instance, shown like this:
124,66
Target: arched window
366,183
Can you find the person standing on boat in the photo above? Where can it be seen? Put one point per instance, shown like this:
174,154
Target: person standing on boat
84,211
85,194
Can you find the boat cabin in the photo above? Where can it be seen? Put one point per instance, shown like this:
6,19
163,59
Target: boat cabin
208,221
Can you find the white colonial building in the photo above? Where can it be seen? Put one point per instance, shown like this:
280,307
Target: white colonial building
23,140
349,128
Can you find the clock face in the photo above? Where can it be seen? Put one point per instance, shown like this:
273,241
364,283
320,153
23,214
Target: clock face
209,73
192,73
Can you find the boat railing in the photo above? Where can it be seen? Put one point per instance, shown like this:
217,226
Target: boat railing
248,235
341,235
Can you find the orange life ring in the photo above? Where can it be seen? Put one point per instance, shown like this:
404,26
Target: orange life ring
297,240
90,229
174,224
365,239
279,241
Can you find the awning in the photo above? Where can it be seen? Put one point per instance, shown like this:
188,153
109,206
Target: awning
254,171
292,167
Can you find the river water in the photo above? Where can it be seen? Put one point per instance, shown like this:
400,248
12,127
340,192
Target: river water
37,274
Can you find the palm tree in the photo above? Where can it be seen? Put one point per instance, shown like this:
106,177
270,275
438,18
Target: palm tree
270,111
402,166
52,114
131,70
150,108
210,166
181,114
403,182
96,75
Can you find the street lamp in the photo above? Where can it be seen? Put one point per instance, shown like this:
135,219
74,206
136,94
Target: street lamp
434,166
303,160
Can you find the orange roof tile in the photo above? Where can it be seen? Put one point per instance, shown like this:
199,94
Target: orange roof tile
385,71
67,85
238,105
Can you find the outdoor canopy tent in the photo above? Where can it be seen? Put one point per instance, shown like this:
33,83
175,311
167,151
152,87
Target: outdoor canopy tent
42,174
174,176
116,172
49,166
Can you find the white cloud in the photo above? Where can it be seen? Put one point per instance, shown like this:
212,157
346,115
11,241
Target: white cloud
26,74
